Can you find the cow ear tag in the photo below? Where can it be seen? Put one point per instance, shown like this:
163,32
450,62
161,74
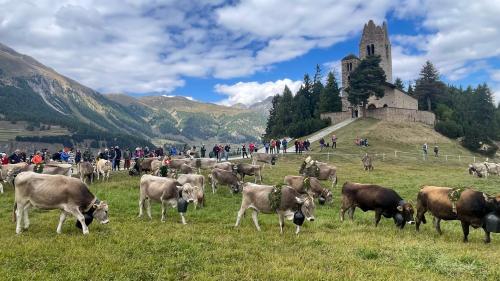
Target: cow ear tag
400,208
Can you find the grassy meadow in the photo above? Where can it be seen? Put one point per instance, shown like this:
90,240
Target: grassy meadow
210,248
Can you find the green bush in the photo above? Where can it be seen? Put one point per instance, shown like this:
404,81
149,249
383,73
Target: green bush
450,129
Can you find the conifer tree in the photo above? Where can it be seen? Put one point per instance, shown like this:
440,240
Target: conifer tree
399,84
330,100
428,87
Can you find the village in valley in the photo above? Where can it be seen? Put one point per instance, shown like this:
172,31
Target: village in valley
208,140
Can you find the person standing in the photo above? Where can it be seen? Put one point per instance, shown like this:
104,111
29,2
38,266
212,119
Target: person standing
278,146
227,148
284,145
296,146
117,157
321,144
334,141
244,151
266,146
203,151
425,148
251,147
126,159
436,151
5,159
15,157
78,156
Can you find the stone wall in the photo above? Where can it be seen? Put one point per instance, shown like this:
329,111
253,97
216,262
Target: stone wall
402,115
337,117
393,98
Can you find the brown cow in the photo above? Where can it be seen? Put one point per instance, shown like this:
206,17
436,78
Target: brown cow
471,208
244,169
317,191
384,201
327,172
224,177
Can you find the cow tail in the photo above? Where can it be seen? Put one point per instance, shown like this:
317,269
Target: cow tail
14,212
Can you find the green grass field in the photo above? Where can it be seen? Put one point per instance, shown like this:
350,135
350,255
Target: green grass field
210,248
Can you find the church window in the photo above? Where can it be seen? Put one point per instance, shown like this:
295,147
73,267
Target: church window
368,50
373,49
387,51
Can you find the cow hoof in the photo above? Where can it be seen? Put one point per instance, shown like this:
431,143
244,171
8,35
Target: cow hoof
487,241
466,241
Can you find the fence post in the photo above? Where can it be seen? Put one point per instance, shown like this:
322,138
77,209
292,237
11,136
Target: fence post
474,159
458,158
383,156
328,157
395,154
446,158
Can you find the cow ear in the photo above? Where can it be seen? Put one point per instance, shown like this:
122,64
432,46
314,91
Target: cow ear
400,208
299,200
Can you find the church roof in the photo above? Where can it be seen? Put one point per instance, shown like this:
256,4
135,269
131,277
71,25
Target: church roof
350,57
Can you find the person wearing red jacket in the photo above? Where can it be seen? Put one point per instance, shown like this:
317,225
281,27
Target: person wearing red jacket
5,159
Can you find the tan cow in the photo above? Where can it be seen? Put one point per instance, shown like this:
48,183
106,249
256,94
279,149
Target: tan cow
50,192
86,170
198,182
257,196
165,191
327,172
103,167
316,190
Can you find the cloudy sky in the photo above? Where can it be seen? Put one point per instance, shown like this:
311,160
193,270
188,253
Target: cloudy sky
243,51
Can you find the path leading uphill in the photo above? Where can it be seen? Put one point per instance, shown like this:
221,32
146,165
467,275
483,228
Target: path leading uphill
318,135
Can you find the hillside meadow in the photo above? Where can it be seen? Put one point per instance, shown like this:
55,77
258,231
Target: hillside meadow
210,248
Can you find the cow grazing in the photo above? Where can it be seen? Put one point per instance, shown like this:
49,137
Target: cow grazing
177,163
165,191
186,169
493,168
384,201
316,190
86,170
198,182
256,197
203,163
367,162
51,192
155,166
103,167
55,169
471,208
265,158
228,166
224,177
479,170
145,165
327,172
244,169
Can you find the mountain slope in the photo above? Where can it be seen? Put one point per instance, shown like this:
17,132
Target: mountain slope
32,92
181,119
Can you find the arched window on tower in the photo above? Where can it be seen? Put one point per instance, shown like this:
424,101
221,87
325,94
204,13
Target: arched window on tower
387,51
368,50
373,49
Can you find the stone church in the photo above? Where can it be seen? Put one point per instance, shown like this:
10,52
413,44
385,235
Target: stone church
396,105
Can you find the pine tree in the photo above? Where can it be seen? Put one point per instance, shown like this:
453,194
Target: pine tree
399,84
366,80
410,89
272,119
329,100
317,89
428,87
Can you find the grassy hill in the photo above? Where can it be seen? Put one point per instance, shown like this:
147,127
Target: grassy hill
388,137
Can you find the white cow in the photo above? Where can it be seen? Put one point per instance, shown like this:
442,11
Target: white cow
103,168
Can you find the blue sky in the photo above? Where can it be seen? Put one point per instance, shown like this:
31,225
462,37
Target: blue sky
244,51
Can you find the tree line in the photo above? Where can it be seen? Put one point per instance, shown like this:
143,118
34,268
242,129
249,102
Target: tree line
299,115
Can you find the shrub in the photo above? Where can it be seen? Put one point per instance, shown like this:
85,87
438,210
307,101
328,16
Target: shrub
450,129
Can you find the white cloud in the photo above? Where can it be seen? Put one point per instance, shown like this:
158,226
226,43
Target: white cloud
249,93
463,34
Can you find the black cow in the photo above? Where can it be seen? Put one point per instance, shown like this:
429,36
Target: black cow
384,201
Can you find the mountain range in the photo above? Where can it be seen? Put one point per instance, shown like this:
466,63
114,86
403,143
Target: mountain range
38,95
